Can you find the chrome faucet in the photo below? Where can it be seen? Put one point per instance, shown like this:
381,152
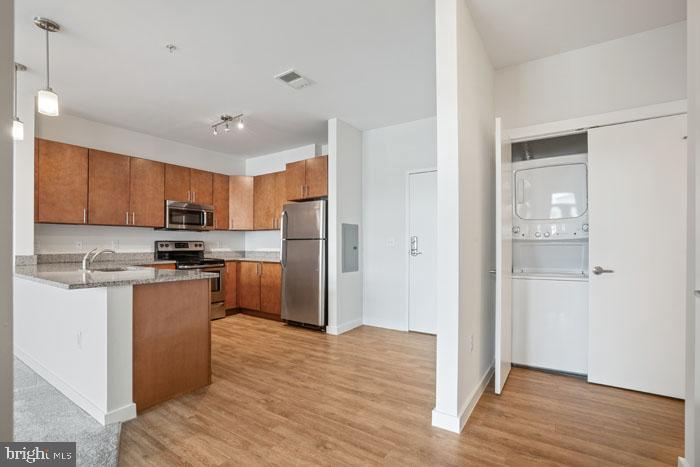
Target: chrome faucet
88,260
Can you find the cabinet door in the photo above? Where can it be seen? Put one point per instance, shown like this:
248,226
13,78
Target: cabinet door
147,193
248,290
264,203
316,177
177,183
201,184
61,183
231,284
280,196
108,188
271,288
295,175
220,184
240,202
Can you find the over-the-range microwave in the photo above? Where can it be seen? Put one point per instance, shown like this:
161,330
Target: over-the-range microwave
188,216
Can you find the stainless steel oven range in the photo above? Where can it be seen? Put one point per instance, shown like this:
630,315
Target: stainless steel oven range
190,255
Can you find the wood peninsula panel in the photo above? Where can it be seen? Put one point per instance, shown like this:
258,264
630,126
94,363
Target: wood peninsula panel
271,288
177,183
221,205
241,200
171,340
147,193
108,188
61,183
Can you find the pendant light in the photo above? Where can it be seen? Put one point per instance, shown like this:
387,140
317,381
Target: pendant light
17,125
47,100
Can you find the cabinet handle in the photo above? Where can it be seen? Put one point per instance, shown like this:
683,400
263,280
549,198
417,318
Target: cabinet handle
189,197
84,215
302,190
127,217
194,196
133,218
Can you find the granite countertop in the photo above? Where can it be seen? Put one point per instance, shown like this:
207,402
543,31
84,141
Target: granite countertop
71,276
145,258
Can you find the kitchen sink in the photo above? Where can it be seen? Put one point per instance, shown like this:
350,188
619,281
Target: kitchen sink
110,269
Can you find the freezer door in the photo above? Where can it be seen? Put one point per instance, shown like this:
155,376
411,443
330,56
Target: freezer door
304,220
304,281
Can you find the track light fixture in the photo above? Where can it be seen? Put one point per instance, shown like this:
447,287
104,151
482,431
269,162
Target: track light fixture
226,121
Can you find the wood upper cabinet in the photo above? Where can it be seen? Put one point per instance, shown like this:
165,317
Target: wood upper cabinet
177,183
241,201
295,180
221,205
201,184
231,281
61,183
108,188
248,290
280,196
307,179
271,288
264,202
147,197
316,177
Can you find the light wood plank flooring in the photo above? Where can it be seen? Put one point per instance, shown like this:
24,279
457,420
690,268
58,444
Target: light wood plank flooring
289,396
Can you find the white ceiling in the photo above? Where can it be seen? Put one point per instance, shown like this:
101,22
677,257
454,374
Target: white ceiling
373,62
517,31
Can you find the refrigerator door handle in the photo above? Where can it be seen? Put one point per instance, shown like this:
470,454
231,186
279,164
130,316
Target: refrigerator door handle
283,253
283,224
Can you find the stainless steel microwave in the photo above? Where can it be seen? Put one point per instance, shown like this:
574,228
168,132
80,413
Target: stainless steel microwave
188,216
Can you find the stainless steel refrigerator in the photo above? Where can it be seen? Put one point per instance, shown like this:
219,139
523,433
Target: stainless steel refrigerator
303,258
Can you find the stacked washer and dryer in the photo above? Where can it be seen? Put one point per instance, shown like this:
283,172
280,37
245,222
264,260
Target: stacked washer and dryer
550,254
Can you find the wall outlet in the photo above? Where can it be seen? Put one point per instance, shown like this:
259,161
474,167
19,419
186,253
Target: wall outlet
391,242
471,343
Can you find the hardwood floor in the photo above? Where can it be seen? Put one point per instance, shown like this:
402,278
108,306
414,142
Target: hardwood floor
289,396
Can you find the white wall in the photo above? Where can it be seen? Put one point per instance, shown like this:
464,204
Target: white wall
49,238
6,77
692,353
344,206
633,71
387,156
465,215
275,162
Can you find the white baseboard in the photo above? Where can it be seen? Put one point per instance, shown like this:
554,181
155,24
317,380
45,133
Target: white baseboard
345,327
455,423
120,415
682,462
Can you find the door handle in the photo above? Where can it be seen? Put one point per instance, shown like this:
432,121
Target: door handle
414,246
598,270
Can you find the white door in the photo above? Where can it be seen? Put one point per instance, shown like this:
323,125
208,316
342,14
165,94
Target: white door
637,248
504,258
422,269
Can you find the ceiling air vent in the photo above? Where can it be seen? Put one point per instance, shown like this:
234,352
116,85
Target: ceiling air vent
293,79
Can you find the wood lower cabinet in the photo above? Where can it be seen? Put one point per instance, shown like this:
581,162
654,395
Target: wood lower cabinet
221,203
201,187
147,195
177,183
307,179
108,188
241,199
231,282
264,202
61,183
271,288
248,289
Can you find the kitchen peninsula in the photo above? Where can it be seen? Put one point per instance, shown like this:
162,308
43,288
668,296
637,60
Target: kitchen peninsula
115,339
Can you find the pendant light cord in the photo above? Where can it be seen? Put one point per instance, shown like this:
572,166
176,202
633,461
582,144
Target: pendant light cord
47,60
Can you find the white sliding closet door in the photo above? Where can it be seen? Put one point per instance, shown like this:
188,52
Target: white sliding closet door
637,200
504,258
